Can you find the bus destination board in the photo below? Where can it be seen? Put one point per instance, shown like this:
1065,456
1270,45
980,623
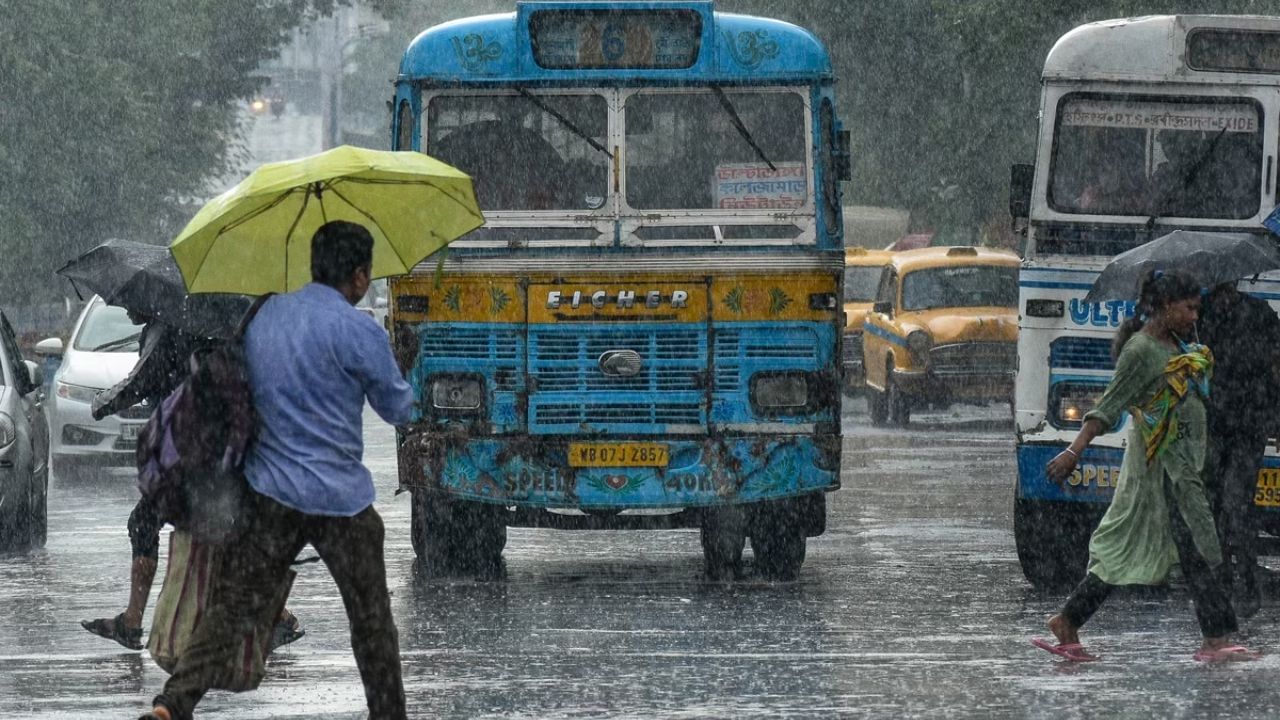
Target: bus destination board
621,40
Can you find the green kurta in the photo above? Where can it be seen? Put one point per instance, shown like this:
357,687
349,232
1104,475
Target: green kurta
1134,544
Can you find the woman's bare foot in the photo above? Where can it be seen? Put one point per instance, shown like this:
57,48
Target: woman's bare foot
1065,632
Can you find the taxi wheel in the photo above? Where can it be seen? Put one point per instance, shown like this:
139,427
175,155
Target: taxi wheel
778,540
723,538
1052,544
897,404
455,537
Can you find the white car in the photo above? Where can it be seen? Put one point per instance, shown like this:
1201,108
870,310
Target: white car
103,350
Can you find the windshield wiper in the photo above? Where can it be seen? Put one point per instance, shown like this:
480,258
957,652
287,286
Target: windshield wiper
566,122
741,128
117,343
1190,177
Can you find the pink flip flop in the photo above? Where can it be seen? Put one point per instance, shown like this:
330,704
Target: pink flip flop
1073,652
1230,653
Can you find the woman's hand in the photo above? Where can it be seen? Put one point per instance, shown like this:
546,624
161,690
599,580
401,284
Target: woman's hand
1061,466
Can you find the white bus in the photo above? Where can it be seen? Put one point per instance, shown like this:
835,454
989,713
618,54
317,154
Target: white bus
1147,125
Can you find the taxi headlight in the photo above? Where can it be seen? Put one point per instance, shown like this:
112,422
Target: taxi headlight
78,393
1070,402
8,431
919,343
780,391
457,393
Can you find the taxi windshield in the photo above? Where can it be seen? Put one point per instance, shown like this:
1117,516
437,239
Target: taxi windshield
860,283
960,286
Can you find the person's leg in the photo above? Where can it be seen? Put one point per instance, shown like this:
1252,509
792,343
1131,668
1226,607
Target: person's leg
1213,607
144,538
1083,602
1239,529
352,549
251,570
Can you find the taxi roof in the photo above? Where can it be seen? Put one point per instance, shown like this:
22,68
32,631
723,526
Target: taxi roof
908,260
860,256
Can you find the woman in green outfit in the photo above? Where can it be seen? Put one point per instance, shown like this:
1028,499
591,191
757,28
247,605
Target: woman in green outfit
1159,514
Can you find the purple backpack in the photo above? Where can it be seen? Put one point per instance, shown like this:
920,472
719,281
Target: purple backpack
191,451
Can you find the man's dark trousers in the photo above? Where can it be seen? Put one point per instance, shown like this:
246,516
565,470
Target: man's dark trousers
254,564
1235,458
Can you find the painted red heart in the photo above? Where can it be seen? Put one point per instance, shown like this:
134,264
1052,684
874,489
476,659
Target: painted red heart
617,482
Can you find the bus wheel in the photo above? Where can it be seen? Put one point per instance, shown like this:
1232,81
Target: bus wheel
1052,542
723,538
454,537
778,540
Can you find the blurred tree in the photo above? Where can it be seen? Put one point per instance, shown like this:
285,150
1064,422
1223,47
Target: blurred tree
113,109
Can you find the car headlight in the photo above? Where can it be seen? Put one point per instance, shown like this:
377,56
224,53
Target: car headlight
79,393
457,392
780,391
8,431
919,343
1070,402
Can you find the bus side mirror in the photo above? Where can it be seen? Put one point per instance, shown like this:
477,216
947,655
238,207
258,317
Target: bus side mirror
883,307
844,161
1020,179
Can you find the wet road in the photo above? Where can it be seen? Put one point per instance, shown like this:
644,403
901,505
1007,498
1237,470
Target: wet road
912,605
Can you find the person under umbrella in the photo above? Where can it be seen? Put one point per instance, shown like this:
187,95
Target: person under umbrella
1160,513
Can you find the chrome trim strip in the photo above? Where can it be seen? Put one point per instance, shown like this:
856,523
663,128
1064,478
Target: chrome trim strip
718,262
767,427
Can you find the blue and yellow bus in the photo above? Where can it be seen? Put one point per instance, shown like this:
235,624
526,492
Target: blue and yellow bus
645,334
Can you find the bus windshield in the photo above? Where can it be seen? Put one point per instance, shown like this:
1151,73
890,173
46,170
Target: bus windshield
1166,157
525,152
960,286
710,149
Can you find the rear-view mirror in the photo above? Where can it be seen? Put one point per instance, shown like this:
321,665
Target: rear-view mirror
49,347
35,376
883,307
1020,180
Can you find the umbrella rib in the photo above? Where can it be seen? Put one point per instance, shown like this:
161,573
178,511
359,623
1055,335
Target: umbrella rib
372,220
374,181
306,197
250,216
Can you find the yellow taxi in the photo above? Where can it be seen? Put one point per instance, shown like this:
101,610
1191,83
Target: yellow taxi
943,329
862,268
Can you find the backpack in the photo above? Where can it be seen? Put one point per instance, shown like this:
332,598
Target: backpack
191,450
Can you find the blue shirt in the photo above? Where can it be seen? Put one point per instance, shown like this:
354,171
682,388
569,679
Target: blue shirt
313,359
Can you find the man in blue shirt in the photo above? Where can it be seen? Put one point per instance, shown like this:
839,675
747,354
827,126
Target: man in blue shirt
313,359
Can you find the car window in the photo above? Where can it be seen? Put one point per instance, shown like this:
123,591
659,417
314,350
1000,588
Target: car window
10,355
107,328
962,286
860,283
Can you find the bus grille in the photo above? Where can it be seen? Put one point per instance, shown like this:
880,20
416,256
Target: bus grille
740,353
978,358
489,350
1081,353
570,389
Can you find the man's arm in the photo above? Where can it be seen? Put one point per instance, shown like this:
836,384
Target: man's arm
148,374
389,395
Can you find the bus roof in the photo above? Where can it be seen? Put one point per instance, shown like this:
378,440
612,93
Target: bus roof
1154,49
499,49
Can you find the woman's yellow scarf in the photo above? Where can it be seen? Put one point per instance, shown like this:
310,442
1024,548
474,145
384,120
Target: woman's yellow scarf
1158,419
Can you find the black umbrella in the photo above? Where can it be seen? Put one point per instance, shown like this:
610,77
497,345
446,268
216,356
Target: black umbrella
1209,258
143,278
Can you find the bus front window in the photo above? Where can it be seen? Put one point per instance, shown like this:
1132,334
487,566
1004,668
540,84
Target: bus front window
525,153
1117,155
716,150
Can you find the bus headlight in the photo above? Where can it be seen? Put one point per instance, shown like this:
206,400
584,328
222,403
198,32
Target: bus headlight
780,391
919,343
457,393
1069,402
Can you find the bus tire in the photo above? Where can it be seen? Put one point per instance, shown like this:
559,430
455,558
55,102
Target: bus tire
778,540
723,534
1052,543
457,538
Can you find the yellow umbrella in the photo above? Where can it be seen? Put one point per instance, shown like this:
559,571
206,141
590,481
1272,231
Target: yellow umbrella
256,237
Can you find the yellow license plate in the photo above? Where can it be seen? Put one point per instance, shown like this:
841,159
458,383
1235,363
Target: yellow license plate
618,454
1268,492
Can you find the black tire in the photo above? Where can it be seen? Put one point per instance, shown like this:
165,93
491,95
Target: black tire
878,404
457,538
724,536
38,527
778,540
898,406
1053,542
15,525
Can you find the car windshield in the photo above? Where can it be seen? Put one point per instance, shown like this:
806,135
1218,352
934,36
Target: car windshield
860,283
726,150
107,328
526,152
1168,158
961,286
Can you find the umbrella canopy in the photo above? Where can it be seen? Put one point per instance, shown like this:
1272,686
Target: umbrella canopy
144,278
1209,258
256,237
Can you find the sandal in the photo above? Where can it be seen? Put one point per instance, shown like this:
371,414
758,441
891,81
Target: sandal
1230,653
1073,652
115,629
285,632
